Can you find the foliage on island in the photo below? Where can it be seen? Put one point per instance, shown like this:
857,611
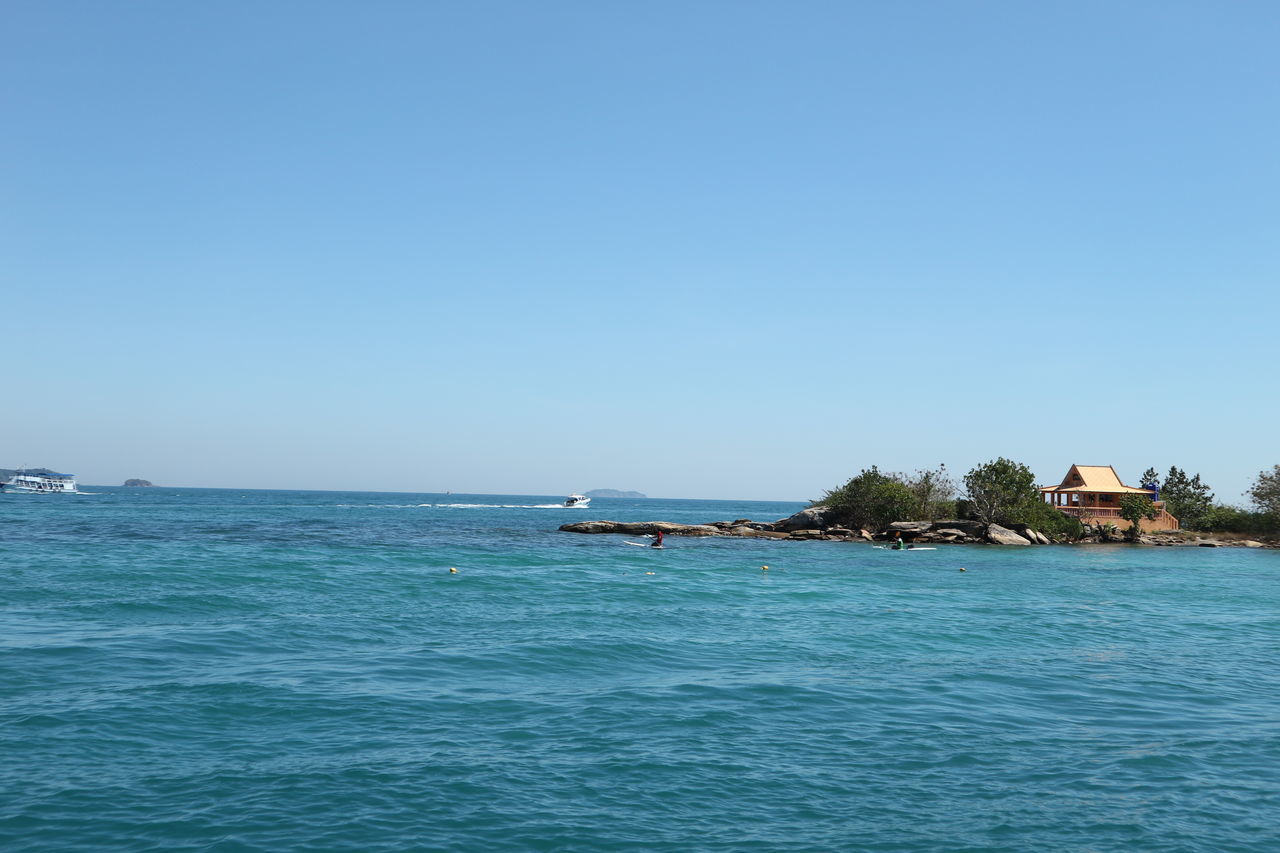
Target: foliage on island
998,492
1003,492
1191,501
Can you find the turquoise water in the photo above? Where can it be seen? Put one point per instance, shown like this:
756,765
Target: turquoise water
299,671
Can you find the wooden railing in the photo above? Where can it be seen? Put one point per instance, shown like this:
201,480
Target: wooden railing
1168,521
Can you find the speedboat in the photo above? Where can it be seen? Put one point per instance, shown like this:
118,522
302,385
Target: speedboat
577,500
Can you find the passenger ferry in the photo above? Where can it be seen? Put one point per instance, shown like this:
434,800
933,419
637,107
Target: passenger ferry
47,483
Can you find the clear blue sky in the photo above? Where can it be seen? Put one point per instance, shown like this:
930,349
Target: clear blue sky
698,249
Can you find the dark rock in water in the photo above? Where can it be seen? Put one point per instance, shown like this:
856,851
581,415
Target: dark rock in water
139,483
642,528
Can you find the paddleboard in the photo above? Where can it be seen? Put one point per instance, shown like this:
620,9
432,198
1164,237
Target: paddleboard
644,545
889,548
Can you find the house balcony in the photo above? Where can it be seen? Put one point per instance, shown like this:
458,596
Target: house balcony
1111,515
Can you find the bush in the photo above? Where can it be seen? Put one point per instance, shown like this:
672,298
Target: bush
870,500
1047,519
1232,519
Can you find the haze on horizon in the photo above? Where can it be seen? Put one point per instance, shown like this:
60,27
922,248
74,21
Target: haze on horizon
711,250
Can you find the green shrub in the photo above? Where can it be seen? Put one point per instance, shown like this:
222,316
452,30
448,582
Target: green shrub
871,500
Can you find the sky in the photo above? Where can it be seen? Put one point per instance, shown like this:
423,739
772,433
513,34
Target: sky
696,249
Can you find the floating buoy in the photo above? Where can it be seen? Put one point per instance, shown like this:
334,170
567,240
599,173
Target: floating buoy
962,570
452,570
764,568
650,573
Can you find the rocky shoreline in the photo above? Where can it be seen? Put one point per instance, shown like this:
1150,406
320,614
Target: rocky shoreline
810,524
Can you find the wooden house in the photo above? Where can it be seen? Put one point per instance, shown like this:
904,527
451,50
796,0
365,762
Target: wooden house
1093,492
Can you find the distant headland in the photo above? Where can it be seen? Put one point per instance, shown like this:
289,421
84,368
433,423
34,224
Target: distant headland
139,483
613,493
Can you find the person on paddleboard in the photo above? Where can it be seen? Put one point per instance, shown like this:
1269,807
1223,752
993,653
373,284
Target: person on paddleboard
898,544
657,539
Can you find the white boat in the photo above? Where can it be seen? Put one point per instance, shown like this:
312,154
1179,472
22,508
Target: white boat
47,483
577,500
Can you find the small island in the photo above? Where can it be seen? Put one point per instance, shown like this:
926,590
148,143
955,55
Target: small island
1001,505
613,493
138,483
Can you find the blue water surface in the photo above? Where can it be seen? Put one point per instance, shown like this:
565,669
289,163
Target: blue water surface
224,670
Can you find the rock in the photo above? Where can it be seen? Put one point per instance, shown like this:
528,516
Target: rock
866,534
998,535
145,484
641,528
591,527
1252,543
1208,544
839,531
813,518
970,528
950,533
806,534
909,526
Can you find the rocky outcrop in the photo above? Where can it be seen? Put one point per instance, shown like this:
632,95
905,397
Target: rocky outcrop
808,525
813,518
904,527
138,483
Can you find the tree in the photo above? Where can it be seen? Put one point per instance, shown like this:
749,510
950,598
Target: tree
1265,492
999,489
1150,478
1133,509
1186,498
870,500
933,490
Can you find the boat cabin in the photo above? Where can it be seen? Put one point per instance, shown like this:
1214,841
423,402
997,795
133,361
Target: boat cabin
1092,493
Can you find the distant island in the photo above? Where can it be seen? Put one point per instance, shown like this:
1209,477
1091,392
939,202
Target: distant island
7,473
139,483
612,493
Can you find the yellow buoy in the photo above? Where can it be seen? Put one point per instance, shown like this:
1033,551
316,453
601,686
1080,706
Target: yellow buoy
764,568
452,570
650,573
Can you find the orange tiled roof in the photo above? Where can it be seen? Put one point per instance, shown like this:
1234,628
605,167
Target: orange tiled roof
1096,478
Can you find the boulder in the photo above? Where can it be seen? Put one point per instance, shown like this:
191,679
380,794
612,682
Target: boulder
970,528
909,526
839,531
591,527
950,533
998,535
1252,543
806,534
866,534
813,518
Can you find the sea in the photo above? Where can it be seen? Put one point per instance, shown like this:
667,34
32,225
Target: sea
235,670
